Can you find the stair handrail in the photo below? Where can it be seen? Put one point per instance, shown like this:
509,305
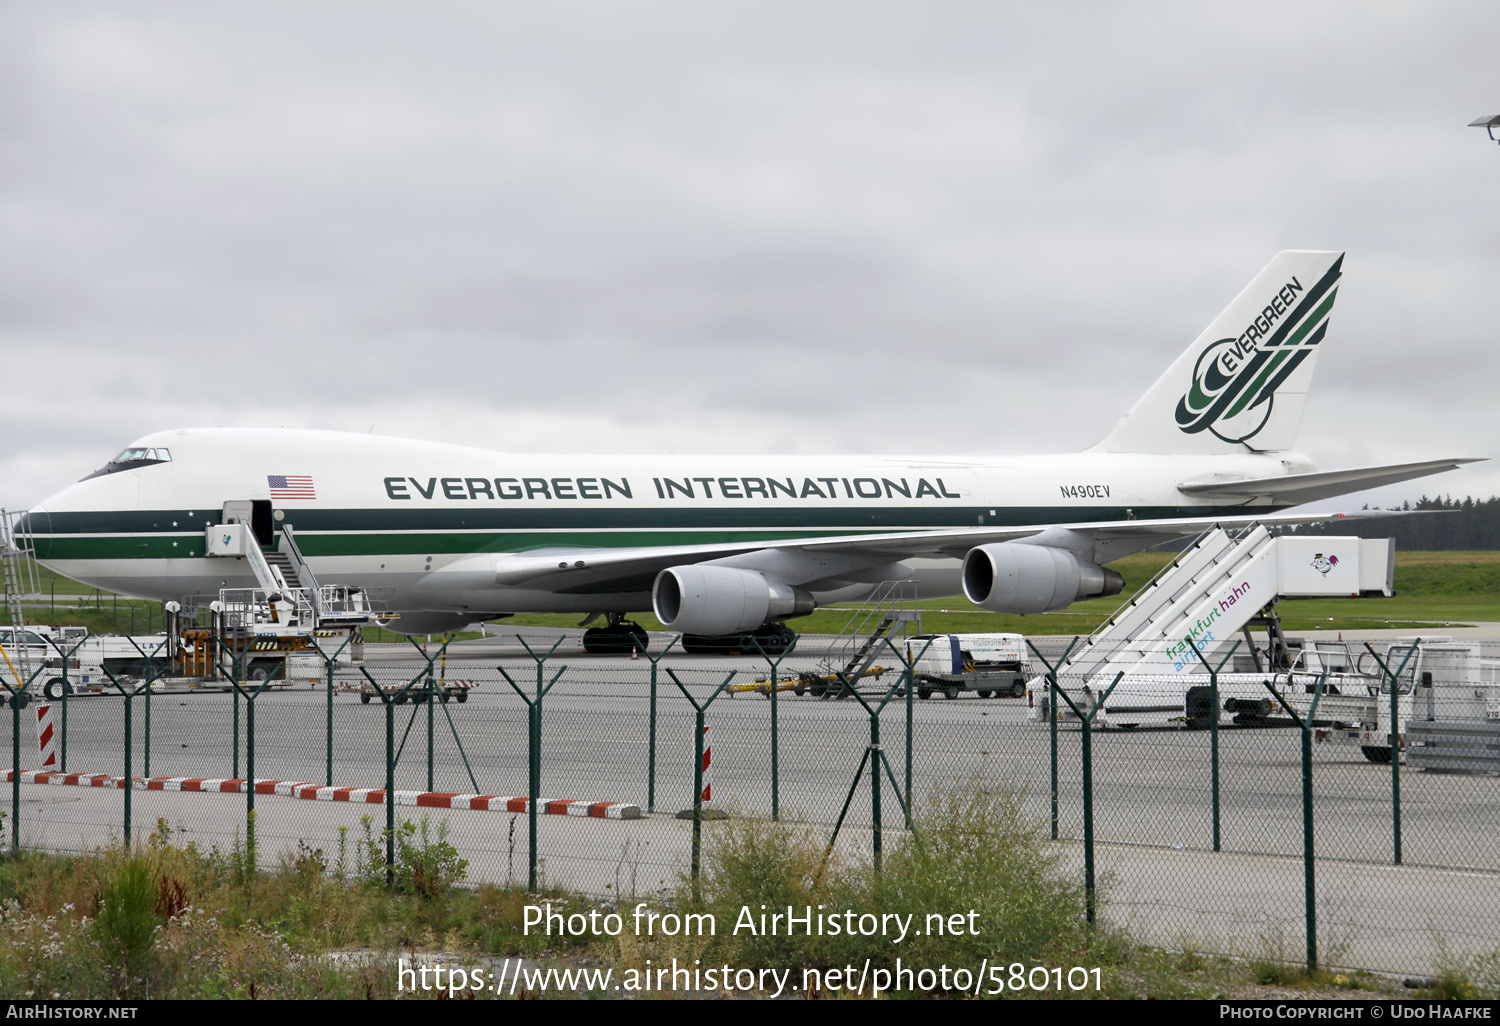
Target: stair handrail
305,575
1168,567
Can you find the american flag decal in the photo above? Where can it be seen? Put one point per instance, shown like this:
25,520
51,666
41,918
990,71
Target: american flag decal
291,486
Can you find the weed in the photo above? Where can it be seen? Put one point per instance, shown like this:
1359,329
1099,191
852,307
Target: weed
369,857
431,867
974,852
161,837
1276,973
126,922
1466,978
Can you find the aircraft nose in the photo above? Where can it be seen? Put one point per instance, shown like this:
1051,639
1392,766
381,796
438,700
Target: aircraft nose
34,526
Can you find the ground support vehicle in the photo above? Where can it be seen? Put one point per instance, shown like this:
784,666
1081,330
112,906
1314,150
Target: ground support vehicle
986,664
819,685
986,685
62,660
1446,709
446,690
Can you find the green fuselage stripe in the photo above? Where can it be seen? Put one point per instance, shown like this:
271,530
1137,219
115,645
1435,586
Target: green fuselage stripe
165,534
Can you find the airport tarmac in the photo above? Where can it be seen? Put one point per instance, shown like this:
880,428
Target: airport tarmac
1153,809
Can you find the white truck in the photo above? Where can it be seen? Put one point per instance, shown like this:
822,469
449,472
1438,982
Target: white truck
987,664
37,652
281,656
1447,699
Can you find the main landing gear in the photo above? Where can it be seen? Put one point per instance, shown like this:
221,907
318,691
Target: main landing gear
619,636
773,638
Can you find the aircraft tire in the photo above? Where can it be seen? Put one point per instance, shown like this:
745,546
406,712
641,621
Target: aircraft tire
462,696
55,688
1198,708
616,640
365,699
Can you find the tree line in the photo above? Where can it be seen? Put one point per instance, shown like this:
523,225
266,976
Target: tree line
1462,524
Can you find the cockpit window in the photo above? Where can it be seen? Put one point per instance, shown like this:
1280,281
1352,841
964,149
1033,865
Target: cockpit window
132,458
136,455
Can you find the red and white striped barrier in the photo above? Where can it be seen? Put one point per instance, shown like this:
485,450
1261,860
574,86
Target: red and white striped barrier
46,738
708,768
319,792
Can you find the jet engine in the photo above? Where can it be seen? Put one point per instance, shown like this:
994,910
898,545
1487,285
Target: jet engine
1013,578
702,599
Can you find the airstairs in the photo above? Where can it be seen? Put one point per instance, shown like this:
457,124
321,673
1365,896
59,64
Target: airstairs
288,591
1215,588
18,565
884,615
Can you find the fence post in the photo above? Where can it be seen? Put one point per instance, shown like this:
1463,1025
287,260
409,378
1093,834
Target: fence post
432,691
700,710
876,752
534,741
651,744
129,780
1308,867
146,747
1394,679
17,702
875,756
388,699
910,676
67,689
1213,725
775,744
234,698
250,697
328,715
1090,904
1052,714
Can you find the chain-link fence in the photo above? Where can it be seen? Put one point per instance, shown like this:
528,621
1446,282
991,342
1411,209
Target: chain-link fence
1236,801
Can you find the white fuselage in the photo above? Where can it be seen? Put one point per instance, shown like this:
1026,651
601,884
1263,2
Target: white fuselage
430,520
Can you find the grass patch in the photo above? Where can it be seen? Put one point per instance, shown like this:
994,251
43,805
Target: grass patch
168,921
1432,589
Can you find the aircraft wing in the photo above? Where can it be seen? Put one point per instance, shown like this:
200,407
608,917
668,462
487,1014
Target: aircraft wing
1300,488
585,570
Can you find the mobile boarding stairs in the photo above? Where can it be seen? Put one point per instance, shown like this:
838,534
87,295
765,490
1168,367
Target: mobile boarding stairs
289,594
1220,585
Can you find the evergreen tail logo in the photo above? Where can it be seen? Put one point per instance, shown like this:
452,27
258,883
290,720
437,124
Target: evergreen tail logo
1235,379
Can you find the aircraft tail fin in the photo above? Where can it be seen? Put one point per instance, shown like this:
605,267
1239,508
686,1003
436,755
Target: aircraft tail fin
1243,382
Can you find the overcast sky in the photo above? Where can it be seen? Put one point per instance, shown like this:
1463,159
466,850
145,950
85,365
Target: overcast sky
694,227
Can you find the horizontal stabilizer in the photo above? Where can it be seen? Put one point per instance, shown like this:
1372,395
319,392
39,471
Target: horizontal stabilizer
1299,488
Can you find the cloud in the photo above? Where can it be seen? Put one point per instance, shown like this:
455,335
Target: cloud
812,227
